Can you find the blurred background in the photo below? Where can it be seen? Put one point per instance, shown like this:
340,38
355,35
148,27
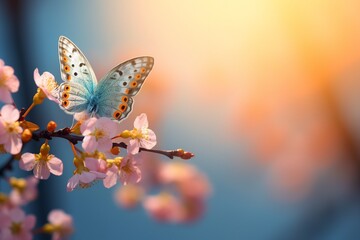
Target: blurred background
264,92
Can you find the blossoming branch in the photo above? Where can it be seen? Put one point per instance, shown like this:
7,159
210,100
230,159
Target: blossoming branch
96,144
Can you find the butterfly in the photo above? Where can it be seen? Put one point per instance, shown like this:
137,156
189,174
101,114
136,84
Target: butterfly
111,96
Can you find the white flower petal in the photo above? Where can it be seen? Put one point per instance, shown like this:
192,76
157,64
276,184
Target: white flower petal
88,126
14,144
9,113
89,143
141,121
41,170
104,144
133,147
73,182
111,177
56,166
27,161
91,163
87,177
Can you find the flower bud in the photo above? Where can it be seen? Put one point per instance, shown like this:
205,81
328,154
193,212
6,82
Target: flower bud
187,155
179,152
125,134
45,149
115,150
26,135
51,126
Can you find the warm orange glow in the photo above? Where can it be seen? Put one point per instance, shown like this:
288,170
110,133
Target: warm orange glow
243,46
263,67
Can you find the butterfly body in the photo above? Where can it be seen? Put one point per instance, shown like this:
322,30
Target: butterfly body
111,96
93,104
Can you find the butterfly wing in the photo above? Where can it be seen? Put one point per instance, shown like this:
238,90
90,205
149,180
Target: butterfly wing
78,76
115,91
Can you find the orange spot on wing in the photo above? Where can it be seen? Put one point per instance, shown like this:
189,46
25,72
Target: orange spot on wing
133,84
117,114
65,103
122,107
124,99
137,76
65,95
66,88
68,77
67,68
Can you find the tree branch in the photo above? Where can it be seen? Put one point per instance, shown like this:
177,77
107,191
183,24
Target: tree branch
74,139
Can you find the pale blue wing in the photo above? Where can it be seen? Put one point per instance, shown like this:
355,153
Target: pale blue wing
78,77
115,91
74,97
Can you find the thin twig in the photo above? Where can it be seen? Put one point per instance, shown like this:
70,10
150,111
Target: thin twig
74,139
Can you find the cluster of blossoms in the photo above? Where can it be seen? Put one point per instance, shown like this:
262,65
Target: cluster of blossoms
183,190
185,201
16,224
98,159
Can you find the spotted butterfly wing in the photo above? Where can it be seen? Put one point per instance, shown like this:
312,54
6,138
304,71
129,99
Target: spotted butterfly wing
111,97
78,76
116,89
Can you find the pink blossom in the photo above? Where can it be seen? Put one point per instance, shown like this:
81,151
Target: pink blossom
174,172
129,196
41,164
125,170
15,225
24,190
141,135
190,185
62,224
96,164
130,172
84,175
46,82
8,83
112,176
98,134
164,207
10,130
189,181
197,186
